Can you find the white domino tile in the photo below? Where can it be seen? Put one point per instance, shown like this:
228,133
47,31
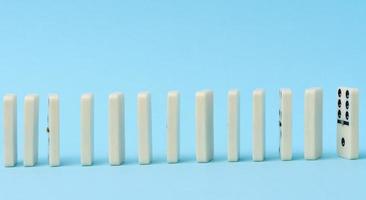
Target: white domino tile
53,130
173,126
204,126
233,146
31,126
347,123
258,117
313,124
285,124
10,130
116,129
144,128
87,129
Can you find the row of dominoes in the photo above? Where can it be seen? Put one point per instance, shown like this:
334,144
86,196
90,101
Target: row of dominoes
347,127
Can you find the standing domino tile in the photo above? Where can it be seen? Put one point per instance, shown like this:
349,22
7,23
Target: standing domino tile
204,126
10,130
144,128
173,126
53,130
347,123
313,124
31,113
258,125
87,129
285,124
116,129
233,126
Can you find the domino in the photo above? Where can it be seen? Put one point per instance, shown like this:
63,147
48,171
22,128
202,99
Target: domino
258,115
313,124
31,126
144,128
10,130
116,129
87,129
53,130
233,126
204,126
285,124
347,123
173,126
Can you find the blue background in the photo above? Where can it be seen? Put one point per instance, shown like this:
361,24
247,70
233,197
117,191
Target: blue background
72,47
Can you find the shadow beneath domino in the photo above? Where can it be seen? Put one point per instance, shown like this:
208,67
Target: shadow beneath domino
129,162
19,163
298,156
362,155
98,162
186,159
70,161
158,160
328,156
41,162
219,158
270,157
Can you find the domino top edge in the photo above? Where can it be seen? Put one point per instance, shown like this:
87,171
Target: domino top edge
87,95
144,94
32,97
10,97
349,88
115,95
259,91
173,93
203,92
234,92
313,90
53,96
286,90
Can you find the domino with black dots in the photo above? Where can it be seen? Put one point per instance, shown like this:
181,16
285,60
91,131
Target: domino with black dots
347,122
